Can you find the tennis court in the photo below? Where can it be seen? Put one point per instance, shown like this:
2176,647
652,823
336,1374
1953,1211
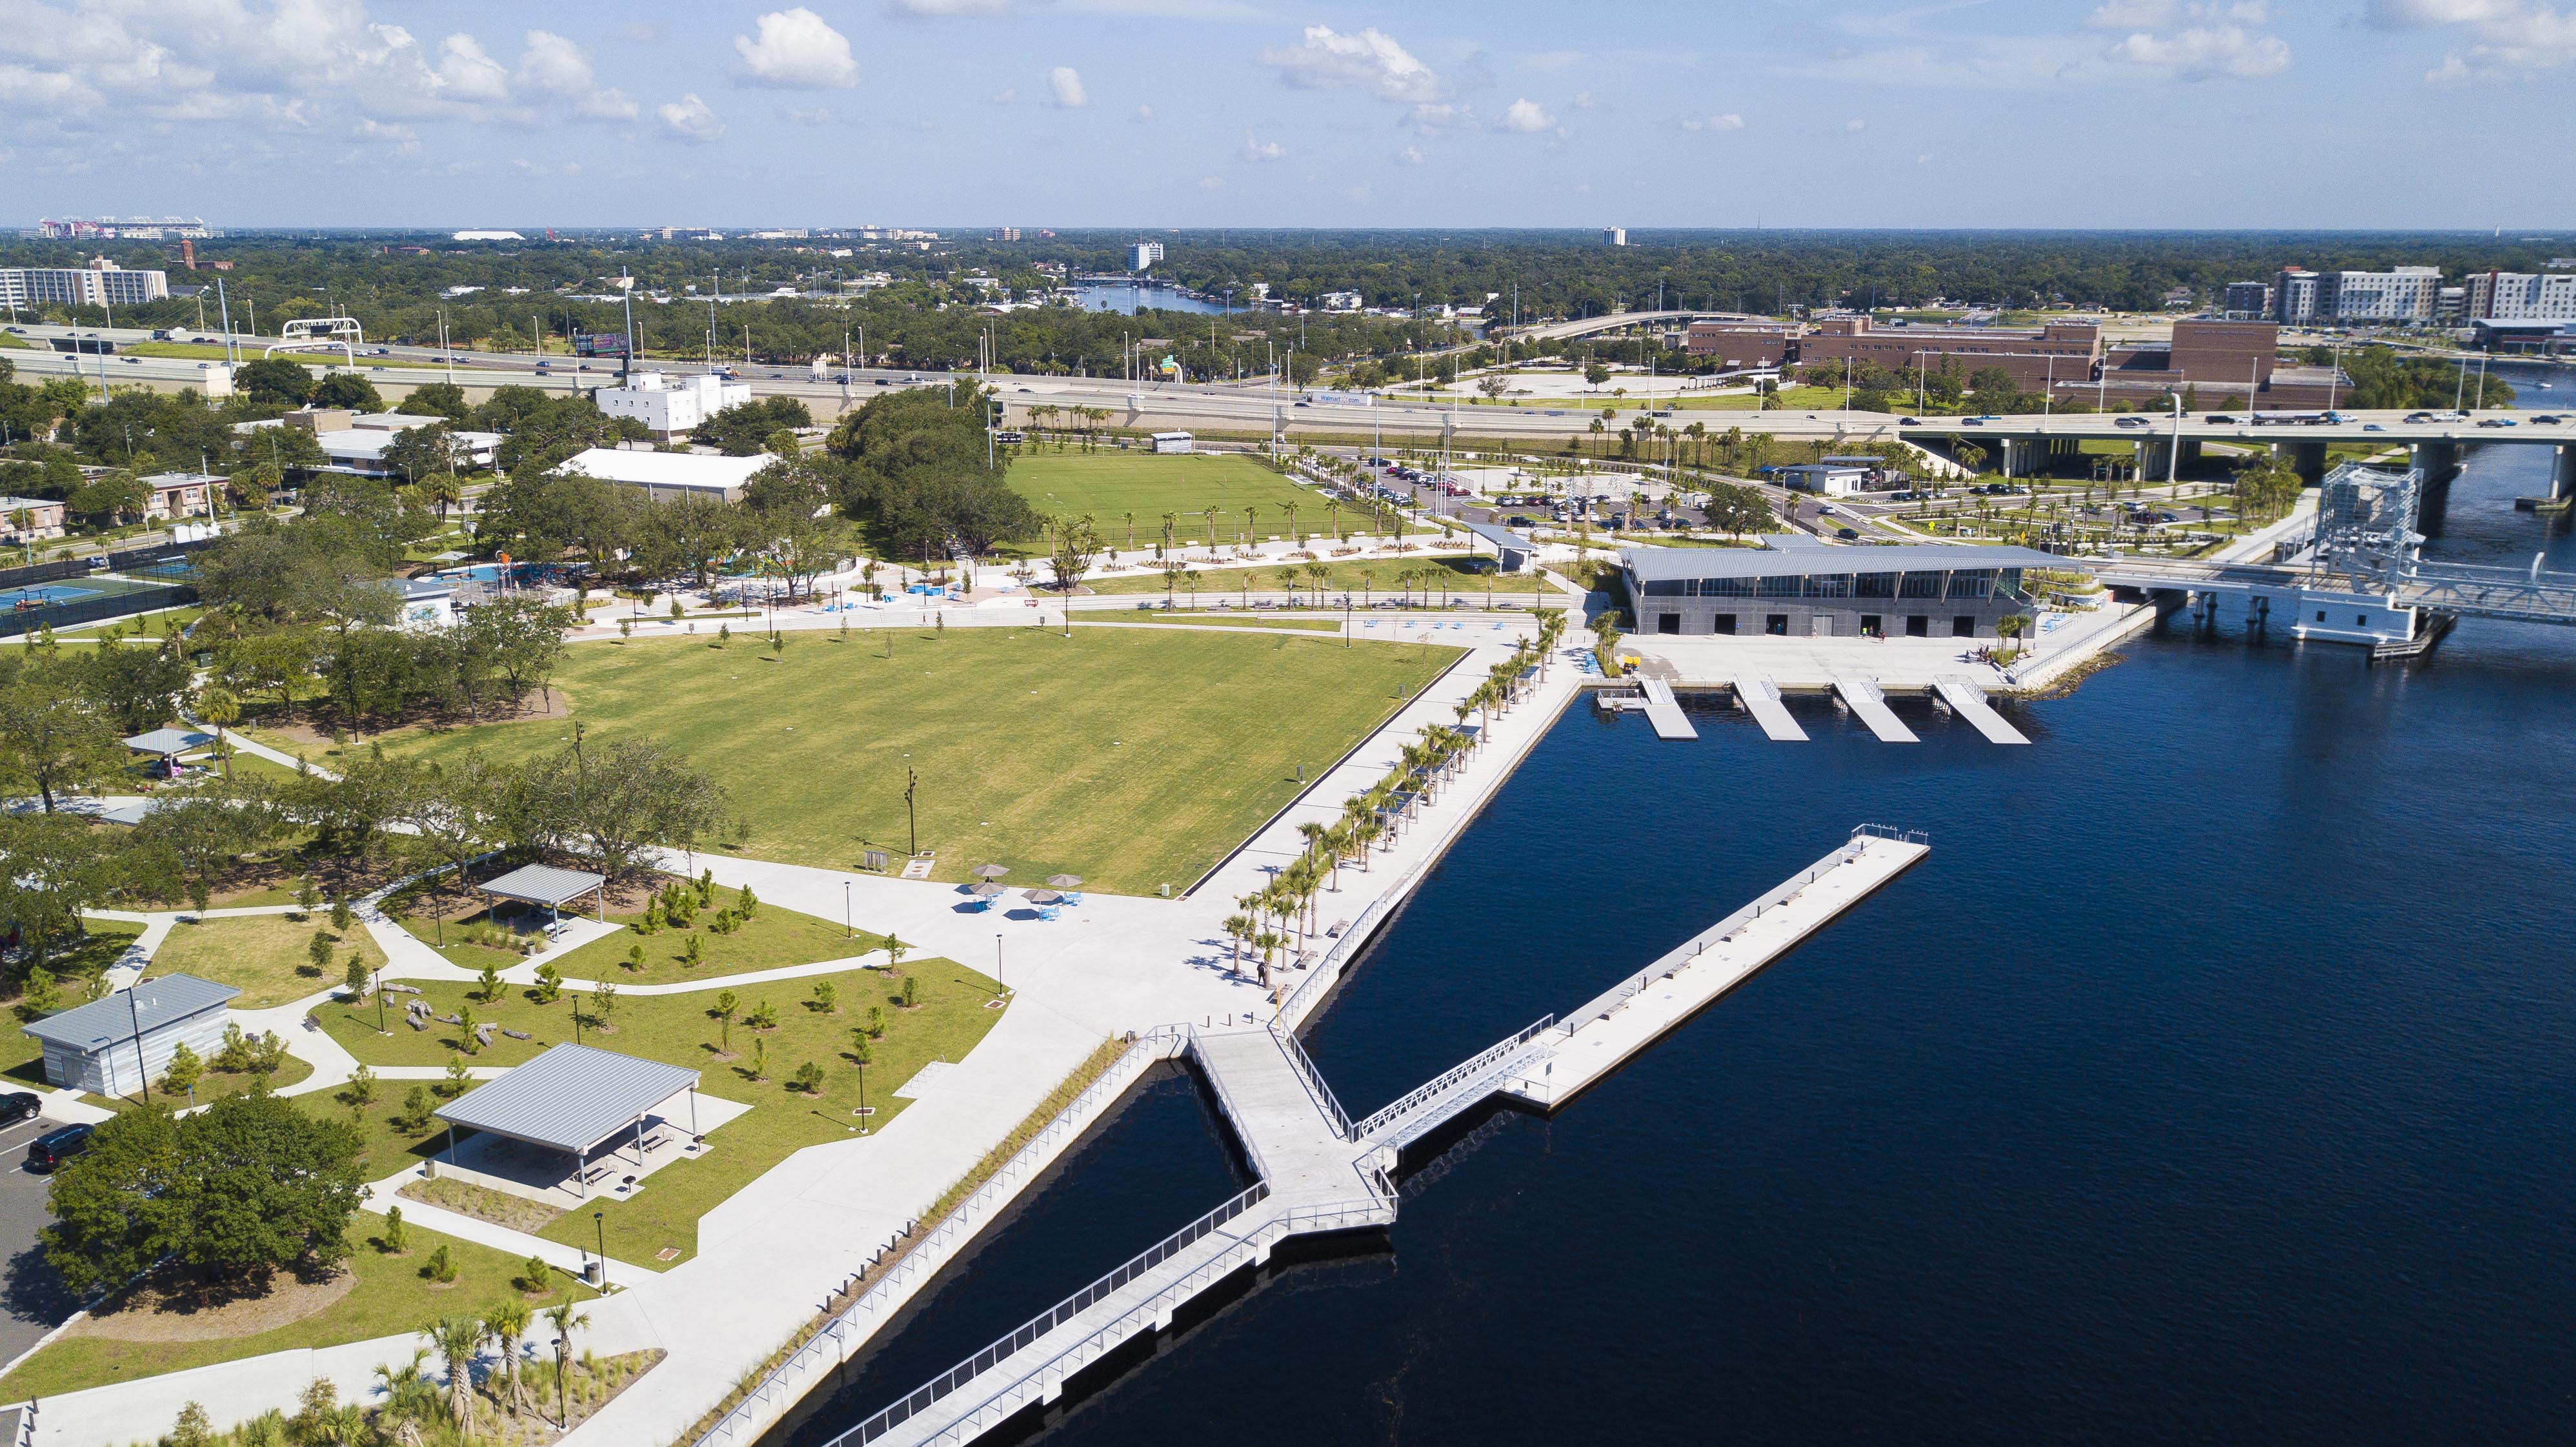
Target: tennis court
39,594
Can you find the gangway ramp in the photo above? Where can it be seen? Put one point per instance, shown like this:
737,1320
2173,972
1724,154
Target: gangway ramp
1865,700
1761,698
1968,701
1664,711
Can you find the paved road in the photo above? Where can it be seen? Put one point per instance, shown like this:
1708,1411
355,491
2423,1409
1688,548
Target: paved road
33,1300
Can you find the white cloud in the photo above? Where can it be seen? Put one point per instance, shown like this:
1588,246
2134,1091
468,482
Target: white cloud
1729,121
1258,150
689,119
1583,101
1142,115
1410,155
797,50
1064,86
1210,183
1552,61
1370,60
1923,160
2196,39
556,67
1855,124
1441,116
2513,38
1002,97
948,7
1527,116
468,72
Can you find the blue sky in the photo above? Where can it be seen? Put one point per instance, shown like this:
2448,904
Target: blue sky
2121,113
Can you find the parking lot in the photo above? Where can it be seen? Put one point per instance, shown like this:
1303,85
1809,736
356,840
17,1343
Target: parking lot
32,1298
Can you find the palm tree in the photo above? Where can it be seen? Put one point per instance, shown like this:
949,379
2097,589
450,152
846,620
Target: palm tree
216,705
1290,508
1333,516
457,1338
1131,529
344,1425
507,1324
1251,515
410,1398
1238,928
443,491
1316,573
1210,515
564,1319
1169,519
1288,581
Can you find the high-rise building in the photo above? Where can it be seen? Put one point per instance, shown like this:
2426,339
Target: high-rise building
2509,296
1144,254
2247,301
101,283
1615,235
2399,294
2295,297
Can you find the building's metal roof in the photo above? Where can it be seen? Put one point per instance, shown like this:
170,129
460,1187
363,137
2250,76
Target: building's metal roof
571,1098
1500,536
1653,565
152,1004
169,741
541,884
666,469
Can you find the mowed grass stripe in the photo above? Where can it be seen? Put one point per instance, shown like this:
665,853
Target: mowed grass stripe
1131,758
1108,486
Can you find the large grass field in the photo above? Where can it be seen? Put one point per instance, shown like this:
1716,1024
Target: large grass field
1109,485
1133,758
687,1030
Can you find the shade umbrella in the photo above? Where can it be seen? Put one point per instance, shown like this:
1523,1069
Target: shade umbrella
991,871
987,889
1042,896
1065,881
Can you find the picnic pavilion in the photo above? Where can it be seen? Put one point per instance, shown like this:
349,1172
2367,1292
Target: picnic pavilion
574,1119
542,886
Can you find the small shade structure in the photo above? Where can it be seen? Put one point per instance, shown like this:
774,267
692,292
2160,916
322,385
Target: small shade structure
987,889
548,888
991,871
1042,896
1064,881
578,1101
169,744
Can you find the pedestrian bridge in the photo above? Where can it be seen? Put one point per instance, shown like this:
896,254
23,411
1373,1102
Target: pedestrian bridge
2529,595
1323,1172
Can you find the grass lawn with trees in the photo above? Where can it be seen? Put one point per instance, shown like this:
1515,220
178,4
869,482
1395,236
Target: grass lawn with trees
389,1294
266,956
1109,485
770,939
1131,757
690,1030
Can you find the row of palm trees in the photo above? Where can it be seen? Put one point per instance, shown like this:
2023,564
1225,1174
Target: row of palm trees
1086,418
1280,916
412,1398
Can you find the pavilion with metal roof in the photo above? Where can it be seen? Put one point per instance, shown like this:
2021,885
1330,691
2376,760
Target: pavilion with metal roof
580,1104
548,888
1511,551
1800,586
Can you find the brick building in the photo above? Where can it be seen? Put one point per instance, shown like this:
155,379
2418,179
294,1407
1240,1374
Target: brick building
1741,344
2034,356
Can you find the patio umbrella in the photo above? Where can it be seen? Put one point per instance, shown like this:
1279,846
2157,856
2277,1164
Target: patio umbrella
987,889
1042,896
1065,881
991,871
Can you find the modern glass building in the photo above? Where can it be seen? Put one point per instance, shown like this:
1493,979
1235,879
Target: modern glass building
1799,586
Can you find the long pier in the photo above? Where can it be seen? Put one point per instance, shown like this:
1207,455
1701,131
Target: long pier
1761,698
1323,1172
1863,697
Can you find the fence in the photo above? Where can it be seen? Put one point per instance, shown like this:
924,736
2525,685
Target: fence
110,598
1486,1061
1295,1050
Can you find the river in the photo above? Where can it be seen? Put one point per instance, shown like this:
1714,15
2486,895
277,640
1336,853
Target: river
2213,1079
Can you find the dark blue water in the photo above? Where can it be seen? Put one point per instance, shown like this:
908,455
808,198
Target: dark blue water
2214,1079
1108,296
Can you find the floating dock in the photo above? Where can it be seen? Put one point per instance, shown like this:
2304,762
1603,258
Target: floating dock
1968,701
1761,698
1865,699
1664,711
1604,1034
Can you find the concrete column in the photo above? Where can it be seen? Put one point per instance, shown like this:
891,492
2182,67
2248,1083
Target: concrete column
2154,456
2190,453
2308,459
2439,461
2562,474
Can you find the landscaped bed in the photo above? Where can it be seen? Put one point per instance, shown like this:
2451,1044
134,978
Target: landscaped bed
1134,758
740,1060
1370,580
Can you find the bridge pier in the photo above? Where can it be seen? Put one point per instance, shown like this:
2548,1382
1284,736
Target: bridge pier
2025,456
2438,461
2307,459
2562,473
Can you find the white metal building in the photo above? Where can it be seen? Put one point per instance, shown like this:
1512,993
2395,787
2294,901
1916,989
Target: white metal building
669,404
111,1046
666,475
1173,441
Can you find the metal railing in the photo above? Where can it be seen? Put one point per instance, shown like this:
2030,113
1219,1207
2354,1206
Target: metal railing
1889,831
1295,1050
957,1377
784,1385
1483,1063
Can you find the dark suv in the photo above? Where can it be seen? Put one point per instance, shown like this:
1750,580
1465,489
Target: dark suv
19,1105
55,1147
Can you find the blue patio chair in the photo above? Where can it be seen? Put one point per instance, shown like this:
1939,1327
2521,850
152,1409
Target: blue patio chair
1047,913
1072,899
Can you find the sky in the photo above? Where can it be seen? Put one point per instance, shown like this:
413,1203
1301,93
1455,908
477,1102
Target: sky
2413,114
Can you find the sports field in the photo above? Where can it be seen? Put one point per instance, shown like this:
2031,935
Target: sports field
1108,486
1132,757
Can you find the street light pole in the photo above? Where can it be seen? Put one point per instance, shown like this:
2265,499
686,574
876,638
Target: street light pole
912,780
599,1220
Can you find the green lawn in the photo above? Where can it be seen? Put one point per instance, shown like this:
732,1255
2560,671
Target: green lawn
1204,619
390,1296
1108,486
773,938
262,954
685,1030
1131,757
1458,570
21,1055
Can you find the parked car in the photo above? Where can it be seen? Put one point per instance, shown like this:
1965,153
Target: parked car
57,1146
1846,534
19,1105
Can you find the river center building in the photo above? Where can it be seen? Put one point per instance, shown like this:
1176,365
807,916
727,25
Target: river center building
1799,586
114,1044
